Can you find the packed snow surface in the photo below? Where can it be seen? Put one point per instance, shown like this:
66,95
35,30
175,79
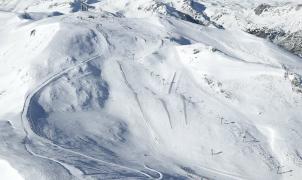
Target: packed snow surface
142,90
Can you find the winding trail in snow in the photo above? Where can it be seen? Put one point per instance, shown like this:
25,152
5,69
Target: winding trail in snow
26,141
27,122
160,175
28,126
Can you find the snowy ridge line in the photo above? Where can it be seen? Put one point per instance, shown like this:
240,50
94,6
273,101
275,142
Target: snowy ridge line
27,126
98,28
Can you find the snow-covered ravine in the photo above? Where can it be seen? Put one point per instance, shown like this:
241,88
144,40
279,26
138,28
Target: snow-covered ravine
111,94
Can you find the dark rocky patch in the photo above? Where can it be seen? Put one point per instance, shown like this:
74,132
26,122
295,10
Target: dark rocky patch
261,8
293,43
288,41
266,33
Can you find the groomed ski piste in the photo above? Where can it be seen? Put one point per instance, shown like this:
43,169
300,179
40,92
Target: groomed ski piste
133,90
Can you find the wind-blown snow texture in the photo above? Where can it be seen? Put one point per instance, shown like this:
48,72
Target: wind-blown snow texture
151,89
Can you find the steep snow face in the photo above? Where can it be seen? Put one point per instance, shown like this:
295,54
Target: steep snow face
145,90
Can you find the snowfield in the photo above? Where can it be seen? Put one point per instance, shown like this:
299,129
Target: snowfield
7,172
145,90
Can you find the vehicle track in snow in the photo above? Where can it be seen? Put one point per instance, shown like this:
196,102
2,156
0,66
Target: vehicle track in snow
26,141
160,175
27,122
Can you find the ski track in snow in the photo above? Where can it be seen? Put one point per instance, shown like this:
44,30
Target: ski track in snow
148,123
164,104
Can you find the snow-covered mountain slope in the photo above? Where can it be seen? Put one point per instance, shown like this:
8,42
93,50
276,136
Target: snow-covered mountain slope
145,90
278,21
